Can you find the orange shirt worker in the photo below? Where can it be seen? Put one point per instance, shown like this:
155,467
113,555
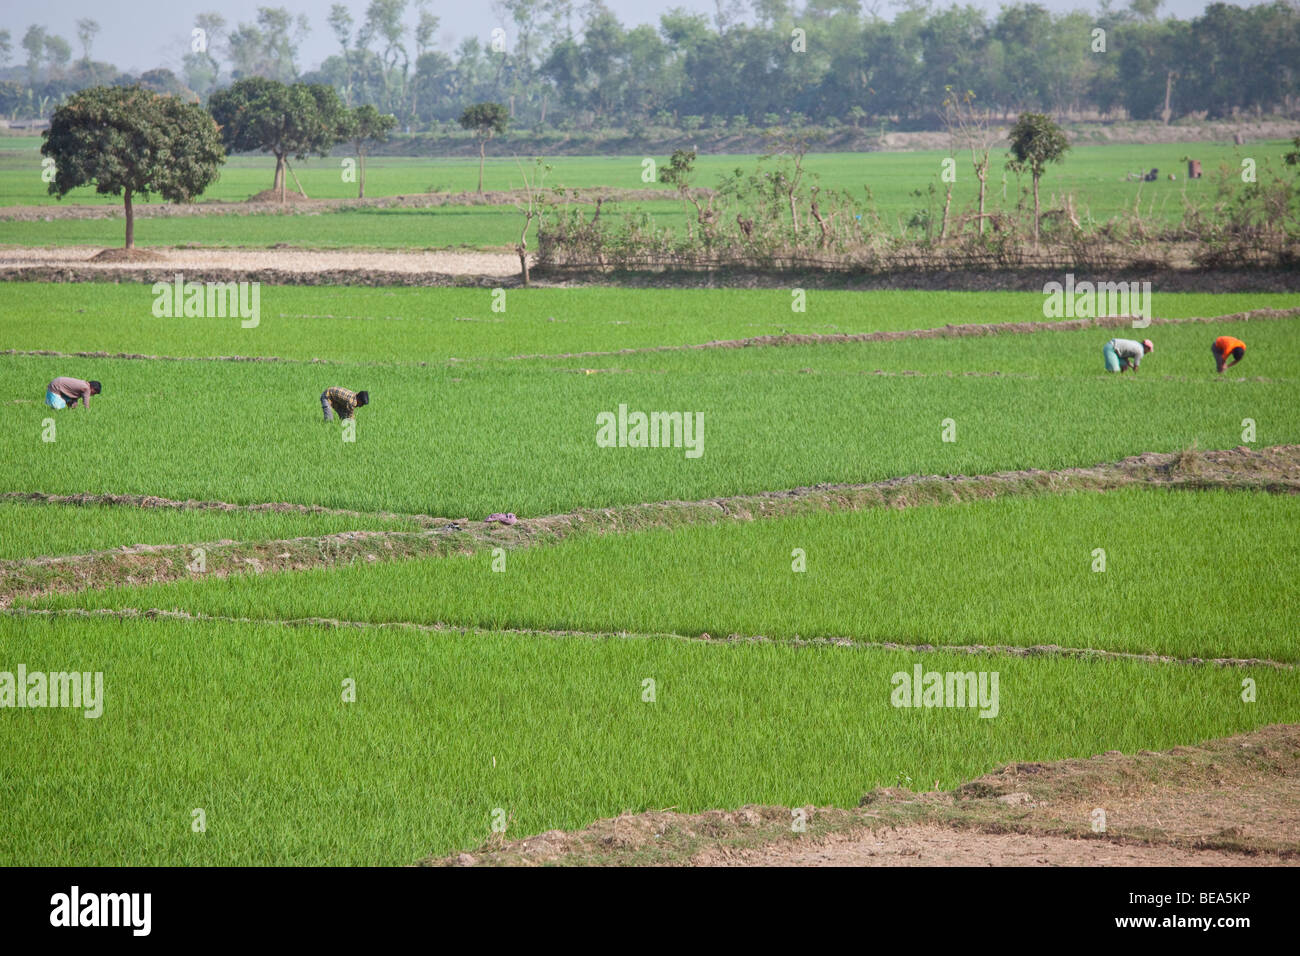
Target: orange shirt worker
1224,346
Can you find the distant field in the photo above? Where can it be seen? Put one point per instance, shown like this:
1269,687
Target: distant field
247,723
442,227
466,439
918,576
1094,174
432,325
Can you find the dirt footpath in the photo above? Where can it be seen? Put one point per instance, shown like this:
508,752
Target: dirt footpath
198,262
287,265
940,846
1228,802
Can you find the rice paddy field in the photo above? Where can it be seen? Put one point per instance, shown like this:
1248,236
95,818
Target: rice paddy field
886,183
456,438
659,628
246,721
737,579
411,325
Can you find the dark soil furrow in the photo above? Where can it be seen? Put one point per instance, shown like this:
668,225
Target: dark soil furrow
1002,650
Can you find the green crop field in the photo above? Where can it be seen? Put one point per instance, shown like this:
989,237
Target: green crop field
465,439
440,227
884,182
521,691
1097,172
28,529
875,575
446,730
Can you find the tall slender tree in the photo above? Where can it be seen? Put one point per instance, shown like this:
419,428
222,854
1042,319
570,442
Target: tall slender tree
1036,141
484,120
363,127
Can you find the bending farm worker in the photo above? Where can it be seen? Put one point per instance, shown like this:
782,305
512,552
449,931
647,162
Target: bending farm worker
335,399
1224,346
64,392
1120,355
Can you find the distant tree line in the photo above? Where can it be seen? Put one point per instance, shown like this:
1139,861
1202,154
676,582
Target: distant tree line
560,64
133,142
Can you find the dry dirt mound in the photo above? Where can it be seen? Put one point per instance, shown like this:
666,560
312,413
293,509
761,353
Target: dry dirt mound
273,196
1234,801
127,256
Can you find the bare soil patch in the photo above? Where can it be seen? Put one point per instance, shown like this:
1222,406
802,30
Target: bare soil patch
1228,802
273,196
941,846
283,265
271,266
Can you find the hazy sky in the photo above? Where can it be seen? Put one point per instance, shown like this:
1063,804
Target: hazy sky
137,35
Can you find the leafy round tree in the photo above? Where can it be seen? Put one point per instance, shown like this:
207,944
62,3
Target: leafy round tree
363,127
1293,158
266,115
1036,140
484,120
131,142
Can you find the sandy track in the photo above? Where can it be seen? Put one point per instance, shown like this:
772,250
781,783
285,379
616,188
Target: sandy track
1234,801
940,846
309,261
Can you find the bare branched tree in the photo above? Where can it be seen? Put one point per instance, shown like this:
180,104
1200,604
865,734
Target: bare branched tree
973,128
532,207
